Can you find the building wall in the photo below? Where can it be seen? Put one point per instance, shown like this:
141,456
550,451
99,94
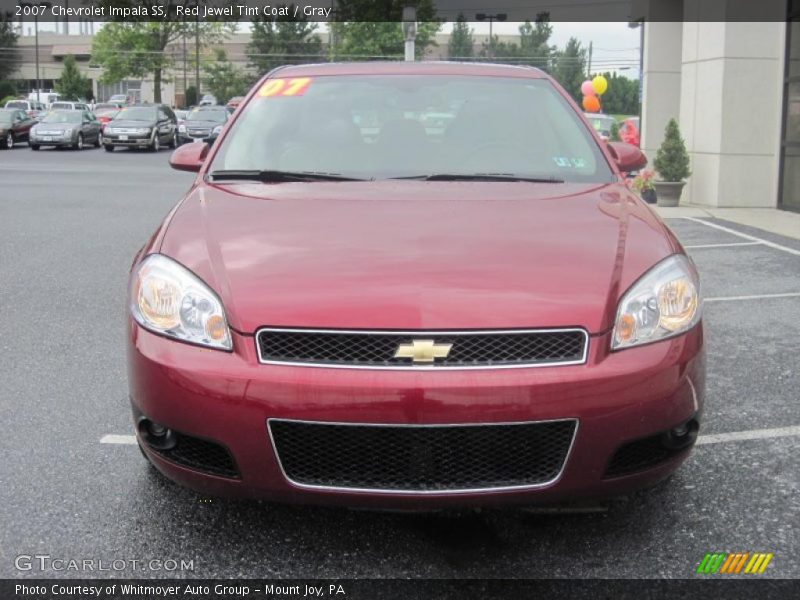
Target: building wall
730,111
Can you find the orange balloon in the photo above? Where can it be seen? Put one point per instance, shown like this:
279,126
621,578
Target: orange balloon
591,104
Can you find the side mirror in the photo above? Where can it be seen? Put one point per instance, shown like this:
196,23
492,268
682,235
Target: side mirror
189,157
627,156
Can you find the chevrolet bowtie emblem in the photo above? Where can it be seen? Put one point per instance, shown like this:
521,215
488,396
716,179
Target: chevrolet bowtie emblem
423,351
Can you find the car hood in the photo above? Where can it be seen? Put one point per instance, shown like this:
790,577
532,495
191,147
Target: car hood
128,124
417,255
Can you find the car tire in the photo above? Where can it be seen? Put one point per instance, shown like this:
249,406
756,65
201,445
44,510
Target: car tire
9,141
99,141
34,146
155,146
173,143
109,148
79,142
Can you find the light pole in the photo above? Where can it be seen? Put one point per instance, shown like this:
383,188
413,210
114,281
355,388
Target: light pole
410,31
491,18
36,5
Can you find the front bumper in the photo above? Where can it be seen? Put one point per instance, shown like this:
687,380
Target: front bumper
229,397
186,138
53,141
127,140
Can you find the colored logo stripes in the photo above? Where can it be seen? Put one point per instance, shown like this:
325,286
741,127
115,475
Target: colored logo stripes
753,563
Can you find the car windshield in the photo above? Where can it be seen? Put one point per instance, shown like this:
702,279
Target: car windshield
137,113
376,127
57,105
218,115
19,104
62,117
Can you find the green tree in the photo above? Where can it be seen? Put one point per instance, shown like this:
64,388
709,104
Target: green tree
281,41
569,67
138,48
534,41
224,79
73,85
461,42
672,160
533,48
8,46
378,32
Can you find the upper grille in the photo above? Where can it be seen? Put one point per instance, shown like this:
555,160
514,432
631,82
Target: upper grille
376,349
422,458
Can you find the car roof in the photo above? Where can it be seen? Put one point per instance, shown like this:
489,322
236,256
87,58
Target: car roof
408,68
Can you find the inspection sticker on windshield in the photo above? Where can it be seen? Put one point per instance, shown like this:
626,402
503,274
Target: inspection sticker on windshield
285,87
567,163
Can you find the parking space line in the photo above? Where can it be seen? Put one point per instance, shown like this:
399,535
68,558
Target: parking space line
753,434
753,297
699,246
746,236
118,439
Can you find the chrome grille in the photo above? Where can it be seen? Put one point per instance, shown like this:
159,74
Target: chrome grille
422,458
376,349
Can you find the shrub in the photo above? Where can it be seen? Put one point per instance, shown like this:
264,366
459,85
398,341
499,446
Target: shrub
672,160
7,89
191,96
614,133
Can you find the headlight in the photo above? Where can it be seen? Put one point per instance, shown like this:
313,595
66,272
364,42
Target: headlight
167,298
182,128
144,131
663,303
217,130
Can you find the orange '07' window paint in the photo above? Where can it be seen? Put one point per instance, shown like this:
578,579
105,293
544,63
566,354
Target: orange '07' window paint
285,87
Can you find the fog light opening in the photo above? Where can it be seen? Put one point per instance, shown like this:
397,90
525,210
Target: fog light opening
682,435
156,435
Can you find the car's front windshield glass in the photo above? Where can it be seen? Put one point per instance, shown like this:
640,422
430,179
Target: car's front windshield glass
375,127
215,115
63,117
23,105
137,113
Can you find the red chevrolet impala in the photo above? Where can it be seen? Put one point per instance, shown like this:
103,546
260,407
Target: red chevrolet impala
359,303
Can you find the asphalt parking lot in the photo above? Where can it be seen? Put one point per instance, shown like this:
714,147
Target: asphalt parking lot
70,223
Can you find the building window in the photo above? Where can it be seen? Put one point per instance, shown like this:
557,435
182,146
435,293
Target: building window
789,198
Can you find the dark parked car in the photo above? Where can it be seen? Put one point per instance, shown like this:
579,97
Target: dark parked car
66,128
203,123
437,317
142,126
15,126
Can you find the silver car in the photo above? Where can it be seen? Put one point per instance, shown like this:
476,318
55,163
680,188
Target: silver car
66,128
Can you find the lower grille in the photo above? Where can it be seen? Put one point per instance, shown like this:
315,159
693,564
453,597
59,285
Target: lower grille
640,455
200,455
437,458
379,349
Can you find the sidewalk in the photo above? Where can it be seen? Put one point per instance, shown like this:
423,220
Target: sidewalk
781,222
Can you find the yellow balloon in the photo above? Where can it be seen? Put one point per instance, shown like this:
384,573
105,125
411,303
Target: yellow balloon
599,85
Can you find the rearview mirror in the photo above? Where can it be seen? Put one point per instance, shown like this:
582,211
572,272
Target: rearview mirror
189,157
627,156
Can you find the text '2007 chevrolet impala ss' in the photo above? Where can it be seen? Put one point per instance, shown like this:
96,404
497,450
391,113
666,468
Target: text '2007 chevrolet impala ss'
358,304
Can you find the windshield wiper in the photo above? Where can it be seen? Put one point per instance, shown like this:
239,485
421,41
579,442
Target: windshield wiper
481,177
268,176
